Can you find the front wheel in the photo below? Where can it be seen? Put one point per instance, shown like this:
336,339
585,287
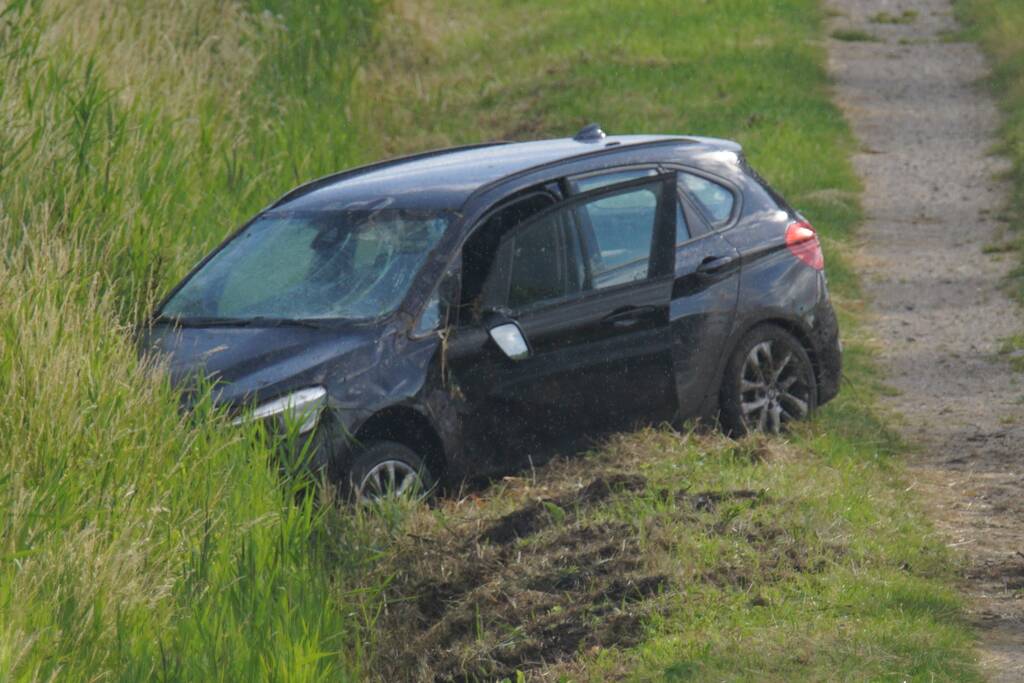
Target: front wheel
388,470
768,383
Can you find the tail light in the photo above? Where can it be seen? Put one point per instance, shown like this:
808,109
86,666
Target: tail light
803,243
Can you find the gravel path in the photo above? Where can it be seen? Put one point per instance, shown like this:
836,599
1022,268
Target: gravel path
926,127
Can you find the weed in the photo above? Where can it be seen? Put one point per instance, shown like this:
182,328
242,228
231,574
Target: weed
1013,348
1001,248
907,16
854,36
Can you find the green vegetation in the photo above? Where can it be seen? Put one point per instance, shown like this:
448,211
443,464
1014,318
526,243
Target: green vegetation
997,25
137,544
681,557
854,35
907,16
140,544
1013,349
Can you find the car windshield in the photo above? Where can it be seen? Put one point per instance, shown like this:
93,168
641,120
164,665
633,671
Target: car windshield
312,265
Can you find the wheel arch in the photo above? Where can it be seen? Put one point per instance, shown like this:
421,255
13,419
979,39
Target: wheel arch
794,327
409,427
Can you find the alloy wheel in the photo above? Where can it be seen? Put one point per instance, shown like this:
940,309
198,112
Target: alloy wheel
774,388
390,479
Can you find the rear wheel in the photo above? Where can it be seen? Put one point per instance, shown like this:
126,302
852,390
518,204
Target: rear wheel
388,470
768,383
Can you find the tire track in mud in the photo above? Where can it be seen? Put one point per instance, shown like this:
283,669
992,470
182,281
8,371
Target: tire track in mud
916,102
535,587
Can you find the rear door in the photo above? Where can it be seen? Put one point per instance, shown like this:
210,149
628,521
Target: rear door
705,288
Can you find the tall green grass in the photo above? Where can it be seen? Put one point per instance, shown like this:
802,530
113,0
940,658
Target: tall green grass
137,544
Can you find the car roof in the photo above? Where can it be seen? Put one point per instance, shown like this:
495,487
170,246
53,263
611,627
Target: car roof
444,179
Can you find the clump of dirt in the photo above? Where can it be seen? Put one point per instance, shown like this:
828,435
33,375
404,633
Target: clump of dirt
518,524
532,518
602,488
708,500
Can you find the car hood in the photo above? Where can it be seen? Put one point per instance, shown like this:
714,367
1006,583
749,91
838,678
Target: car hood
256,363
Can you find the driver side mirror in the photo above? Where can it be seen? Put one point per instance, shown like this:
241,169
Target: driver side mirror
509,338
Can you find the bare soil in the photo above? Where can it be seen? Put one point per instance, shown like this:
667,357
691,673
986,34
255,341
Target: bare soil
476,595
485,605
927,129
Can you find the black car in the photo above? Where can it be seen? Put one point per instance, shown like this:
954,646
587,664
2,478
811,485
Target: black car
454,313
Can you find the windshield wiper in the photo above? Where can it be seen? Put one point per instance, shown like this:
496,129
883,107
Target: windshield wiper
257,321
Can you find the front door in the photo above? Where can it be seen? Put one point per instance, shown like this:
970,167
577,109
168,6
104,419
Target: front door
588,282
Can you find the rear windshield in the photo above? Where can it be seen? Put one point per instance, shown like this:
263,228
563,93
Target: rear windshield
312,265
768,196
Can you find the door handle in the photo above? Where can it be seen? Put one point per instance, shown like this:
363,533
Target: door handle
715,264
628,316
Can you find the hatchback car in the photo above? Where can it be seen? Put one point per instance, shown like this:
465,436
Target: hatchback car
453,313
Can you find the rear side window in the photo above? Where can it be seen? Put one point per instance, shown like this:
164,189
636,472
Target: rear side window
619,229
682,228
714,198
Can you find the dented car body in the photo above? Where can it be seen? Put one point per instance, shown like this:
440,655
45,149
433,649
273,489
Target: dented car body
452,314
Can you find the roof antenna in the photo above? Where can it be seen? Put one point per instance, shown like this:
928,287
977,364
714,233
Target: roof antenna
591,133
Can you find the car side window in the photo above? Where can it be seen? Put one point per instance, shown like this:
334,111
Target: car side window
593,182
586,244
545,262
682,227
618,230
716,199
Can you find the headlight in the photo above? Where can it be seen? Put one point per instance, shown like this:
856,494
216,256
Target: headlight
302,407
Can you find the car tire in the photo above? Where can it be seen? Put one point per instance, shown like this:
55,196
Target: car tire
386,469
768,383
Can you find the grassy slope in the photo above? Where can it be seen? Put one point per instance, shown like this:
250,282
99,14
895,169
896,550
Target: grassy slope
997,25
136,544
880,603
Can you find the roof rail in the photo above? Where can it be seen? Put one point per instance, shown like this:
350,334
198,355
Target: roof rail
316,184
604,149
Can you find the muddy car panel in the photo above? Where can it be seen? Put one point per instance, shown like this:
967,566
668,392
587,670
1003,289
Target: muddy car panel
429,375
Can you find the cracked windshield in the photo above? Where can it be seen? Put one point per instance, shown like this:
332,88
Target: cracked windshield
304,265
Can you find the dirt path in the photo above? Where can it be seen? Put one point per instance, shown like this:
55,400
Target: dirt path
926,127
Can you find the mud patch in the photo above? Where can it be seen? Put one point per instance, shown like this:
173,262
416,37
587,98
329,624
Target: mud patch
486,607
518,524
551,579
505,610
535,516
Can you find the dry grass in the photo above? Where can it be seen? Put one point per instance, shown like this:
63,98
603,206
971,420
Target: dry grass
186,55
138,542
